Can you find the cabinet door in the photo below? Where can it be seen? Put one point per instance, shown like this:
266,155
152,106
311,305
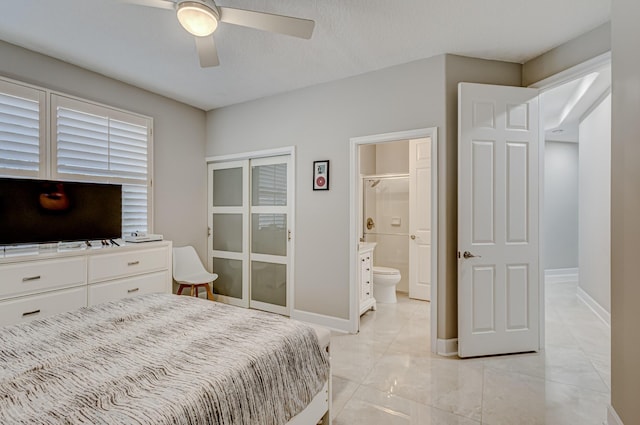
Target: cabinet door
125,288
366,276
24,309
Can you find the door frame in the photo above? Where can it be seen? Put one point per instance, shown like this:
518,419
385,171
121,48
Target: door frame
548,83
266,153
354,211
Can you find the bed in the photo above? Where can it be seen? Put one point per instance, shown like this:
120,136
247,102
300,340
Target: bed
164,359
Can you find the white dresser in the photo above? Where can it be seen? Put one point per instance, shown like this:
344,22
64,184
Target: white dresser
365,252
41,283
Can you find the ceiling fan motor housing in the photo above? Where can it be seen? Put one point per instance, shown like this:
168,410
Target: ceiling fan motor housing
199,17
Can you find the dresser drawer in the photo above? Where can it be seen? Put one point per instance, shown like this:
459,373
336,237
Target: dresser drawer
111,266
123,288
36,276
38,306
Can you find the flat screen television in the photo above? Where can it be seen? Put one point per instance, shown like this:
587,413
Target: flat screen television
46,211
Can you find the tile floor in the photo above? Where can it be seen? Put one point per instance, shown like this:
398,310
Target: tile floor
387,374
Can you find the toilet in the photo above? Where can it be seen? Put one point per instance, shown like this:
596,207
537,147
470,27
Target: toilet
385,280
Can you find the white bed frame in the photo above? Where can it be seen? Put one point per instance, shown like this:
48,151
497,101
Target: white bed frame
319,410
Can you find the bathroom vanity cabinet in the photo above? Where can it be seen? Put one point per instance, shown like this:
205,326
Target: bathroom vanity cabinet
365,277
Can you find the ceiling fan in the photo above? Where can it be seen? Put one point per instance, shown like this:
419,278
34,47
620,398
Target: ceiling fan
201,18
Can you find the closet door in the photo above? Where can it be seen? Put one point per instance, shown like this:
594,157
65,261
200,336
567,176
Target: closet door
270,234
228,242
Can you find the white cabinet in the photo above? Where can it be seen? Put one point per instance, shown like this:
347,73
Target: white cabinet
30,277
128,287
41,283
127,263
24,309
366,277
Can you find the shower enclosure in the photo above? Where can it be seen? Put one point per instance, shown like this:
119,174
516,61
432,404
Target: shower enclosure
386,221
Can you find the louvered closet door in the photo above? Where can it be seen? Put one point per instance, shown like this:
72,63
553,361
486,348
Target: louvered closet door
270,216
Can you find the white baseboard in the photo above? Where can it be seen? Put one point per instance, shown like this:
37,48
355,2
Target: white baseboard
333,323
447,347
612,417
561,275
603,314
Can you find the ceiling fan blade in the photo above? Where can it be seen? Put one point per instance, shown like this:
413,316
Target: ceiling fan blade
207,51
302,28
160,4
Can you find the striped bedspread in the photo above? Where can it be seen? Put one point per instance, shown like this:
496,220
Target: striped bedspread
159,359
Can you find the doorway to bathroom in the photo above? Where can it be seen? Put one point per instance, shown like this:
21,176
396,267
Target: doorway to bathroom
394,209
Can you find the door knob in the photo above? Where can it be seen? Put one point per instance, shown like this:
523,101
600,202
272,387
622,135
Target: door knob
413,236
468,255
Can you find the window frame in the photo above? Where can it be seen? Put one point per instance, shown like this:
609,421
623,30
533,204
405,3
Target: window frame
29,92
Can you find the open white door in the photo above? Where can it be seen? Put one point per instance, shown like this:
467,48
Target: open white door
420,218
498,254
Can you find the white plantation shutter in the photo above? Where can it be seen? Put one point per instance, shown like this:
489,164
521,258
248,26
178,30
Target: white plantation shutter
21,130
134,208
96,143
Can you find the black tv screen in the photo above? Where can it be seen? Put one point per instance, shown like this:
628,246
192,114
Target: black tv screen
44,211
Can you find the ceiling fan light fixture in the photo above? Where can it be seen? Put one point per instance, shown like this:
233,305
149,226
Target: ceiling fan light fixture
197,18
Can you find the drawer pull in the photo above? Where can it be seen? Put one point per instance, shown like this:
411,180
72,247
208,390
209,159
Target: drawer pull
133,290
30,313
30,278
133,263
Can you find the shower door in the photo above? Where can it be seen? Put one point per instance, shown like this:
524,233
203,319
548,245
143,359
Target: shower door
250,220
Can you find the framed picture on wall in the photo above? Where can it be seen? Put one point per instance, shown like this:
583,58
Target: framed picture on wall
321,175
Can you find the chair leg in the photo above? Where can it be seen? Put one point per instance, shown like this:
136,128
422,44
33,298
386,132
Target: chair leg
181,288
209,293
193,287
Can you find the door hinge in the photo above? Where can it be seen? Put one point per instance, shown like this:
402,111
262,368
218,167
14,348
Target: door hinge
289,235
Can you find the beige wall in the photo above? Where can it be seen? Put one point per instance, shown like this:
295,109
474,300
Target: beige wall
392,157
625,210
594,201
320,121
179,132
367,159
574,52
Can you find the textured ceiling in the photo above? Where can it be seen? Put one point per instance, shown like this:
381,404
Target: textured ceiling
147,47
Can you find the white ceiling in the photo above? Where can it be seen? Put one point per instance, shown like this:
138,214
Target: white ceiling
147,47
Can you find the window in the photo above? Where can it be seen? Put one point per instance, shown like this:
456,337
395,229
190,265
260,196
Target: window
21,130
86,142
96,143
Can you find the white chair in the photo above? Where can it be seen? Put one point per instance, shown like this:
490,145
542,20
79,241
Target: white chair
189,271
